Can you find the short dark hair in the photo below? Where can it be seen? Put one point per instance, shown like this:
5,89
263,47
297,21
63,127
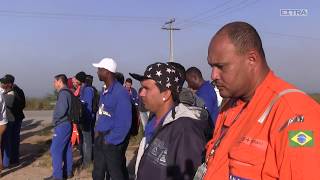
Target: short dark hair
81,76
129,80
195,72
119,77
89,80
62,77
244,37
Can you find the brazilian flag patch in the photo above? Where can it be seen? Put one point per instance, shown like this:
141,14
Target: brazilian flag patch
301,138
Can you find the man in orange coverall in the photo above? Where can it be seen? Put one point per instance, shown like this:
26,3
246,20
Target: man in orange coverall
266,128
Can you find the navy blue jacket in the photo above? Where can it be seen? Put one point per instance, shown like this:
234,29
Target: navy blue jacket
207,93
176,148
114,114
62,108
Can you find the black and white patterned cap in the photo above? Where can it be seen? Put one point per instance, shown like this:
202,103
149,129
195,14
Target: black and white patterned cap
165,75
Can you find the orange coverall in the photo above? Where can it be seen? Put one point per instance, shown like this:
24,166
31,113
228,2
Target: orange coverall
285,145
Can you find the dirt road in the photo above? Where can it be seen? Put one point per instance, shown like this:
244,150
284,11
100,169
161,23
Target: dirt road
35,160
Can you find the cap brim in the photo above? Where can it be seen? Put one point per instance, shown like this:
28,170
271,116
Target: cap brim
138,77
96,65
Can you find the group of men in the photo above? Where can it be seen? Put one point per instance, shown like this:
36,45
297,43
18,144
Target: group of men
265,128
71,130
12,103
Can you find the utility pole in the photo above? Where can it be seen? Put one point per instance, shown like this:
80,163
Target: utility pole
170,29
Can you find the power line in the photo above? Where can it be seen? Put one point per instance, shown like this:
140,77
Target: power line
293,36
203,13
33,14
229,10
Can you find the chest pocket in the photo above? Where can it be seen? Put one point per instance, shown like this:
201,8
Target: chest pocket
248,156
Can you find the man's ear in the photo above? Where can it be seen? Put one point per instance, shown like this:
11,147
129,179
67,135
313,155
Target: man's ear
252,57
166,95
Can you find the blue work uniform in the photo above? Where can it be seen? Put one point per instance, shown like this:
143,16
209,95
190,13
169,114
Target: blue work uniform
60,149
114,115
112,129
207,93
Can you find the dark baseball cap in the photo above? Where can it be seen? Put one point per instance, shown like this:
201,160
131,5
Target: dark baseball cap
81,76
6,79
165,75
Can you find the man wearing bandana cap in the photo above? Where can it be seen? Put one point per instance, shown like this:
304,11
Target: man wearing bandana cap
174,136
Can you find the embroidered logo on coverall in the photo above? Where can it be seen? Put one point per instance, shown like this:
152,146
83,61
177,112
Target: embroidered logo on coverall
301,138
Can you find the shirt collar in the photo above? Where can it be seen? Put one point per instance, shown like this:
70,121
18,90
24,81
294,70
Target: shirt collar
109,90
64,87
204,84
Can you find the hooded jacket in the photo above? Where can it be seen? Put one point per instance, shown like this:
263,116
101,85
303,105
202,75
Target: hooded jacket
177,147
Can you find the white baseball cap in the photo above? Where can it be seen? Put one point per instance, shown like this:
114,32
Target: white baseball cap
107,63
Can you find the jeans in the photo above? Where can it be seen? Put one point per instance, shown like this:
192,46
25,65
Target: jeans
16,141
109,161
86,148
7,143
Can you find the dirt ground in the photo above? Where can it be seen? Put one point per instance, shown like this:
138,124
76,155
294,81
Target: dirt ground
35,160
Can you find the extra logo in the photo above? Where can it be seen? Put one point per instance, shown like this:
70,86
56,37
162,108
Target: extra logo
301,138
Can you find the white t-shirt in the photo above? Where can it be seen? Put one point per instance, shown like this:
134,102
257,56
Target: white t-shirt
3,114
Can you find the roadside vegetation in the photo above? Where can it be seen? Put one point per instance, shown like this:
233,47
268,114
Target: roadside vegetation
48,102
44,103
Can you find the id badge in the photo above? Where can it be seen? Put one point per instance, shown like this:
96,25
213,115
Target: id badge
201,171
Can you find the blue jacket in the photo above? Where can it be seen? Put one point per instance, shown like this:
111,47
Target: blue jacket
134,97
114,115
86,97
207,93
62,108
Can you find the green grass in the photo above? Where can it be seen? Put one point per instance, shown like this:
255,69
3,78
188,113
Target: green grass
315,96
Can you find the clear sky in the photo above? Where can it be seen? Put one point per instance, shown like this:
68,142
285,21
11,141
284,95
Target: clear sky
42,38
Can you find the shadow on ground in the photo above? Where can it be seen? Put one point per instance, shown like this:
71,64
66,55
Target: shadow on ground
30,152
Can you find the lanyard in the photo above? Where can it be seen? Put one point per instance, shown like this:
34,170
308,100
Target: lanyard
223,133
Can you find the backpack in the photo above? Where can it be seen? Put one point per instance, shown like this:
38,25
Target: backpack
134,129
19,102
75,114
95,100
194,103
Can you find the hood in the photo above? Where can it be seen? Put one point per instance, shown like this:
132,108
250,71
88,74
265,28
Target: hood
182,110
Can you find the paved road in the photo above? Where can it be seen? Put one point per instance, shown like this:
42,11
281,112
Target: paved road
44,116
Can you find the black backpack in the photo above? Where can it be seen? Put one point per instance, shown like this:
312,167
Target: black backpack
75,114
134,129
95,100
19,102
